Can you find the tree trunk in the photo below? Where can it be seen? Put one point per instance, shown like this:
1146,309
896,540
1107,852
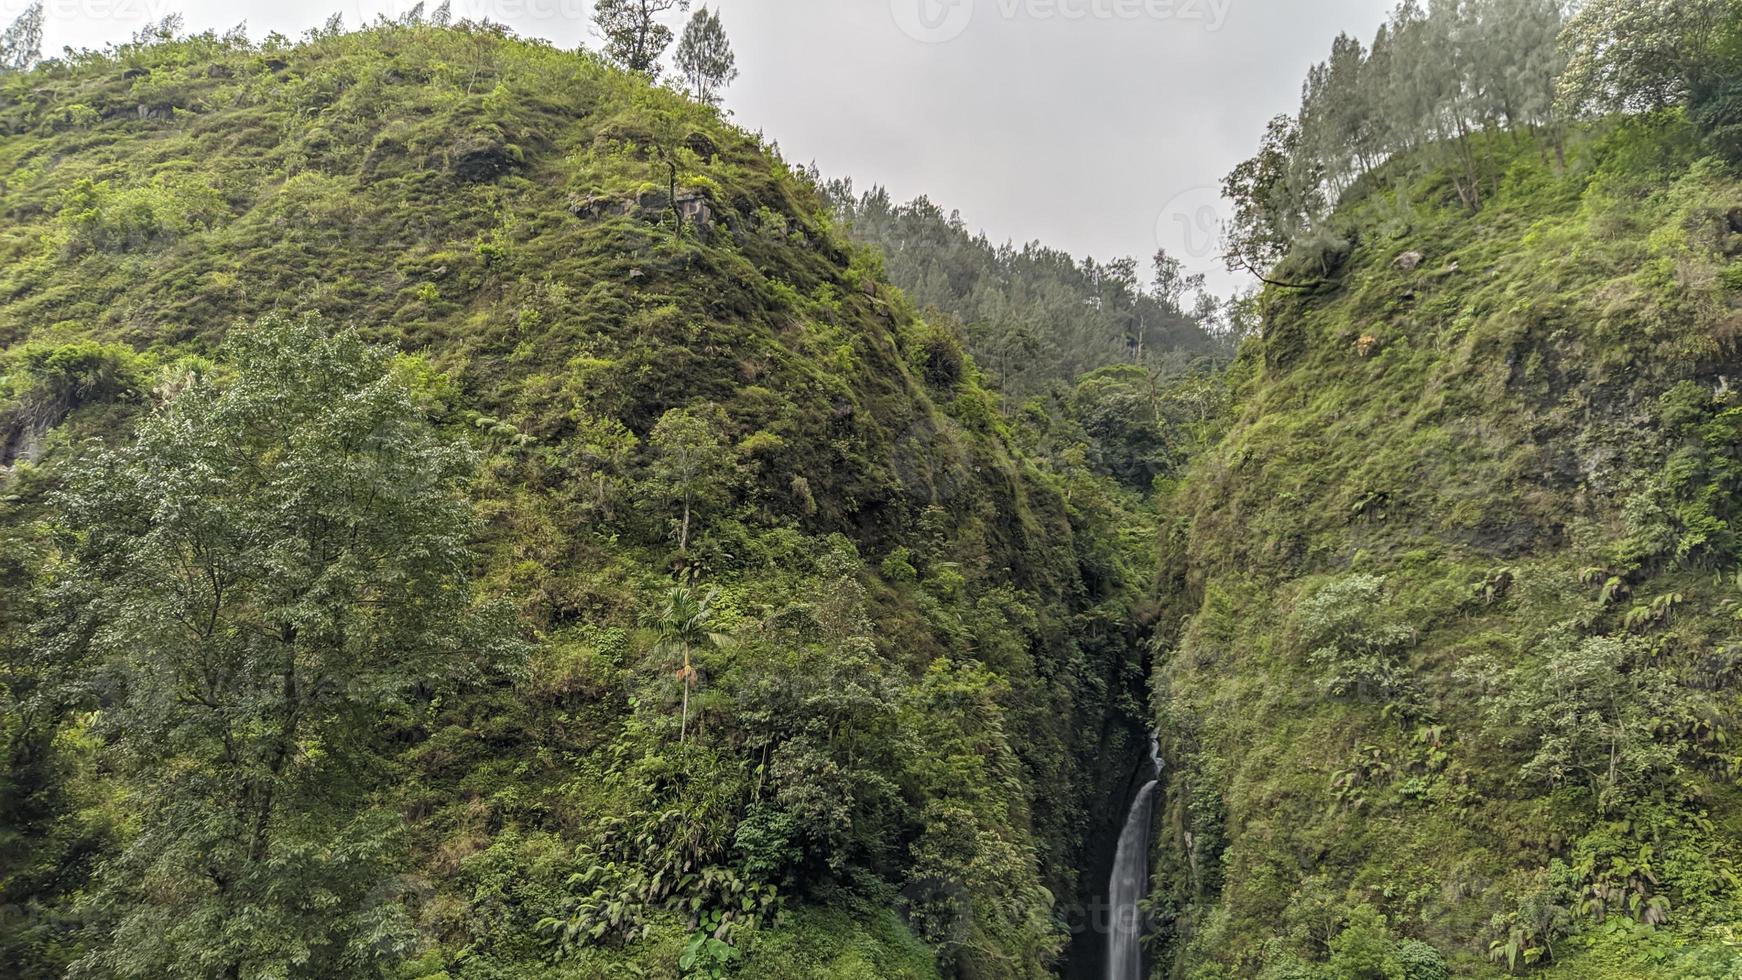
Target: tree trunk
683,540
683,726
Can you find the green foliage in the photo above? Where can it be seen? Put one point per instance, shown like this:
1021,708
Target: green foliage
94,215
1686,510
1364,949
1642,56
692,466
704,57
686,625
1489,500
1030,317
612,355
1354,640
1593,710
43,382
634,37
272,560
1417,960
21,44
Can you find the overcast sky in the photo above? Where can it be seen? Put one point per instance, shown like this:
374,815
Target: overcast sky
1098,126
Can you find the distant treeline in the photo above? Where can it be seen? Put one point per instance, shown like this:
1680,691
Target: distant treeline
1437,80
1035,315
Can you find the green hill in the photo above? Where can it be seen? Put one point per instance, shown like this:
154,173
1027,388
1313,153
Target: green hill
915,729
1457,656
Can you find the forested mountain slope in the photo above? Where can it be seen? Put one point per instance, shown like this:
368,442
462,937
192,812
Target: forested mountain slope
820,664
1034,317
1455,680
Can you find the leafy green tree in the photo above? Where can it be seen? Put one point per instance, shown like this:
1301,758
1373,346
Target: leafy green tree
1276,196
1634,55
705,58
21,45
1364,949
692,465
1355,640
1172,282
688,624
273,565
1594,708
634,37
600,456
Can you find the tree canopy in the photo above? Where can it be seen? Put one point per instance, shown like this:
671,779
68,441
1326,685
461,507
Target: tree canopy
277,560
704,57
634,36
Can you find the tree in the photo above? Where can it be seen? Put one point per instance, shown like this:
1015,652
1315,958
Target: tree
1596,707
1030,316
1276,197
705,57
1638,55
1172,282
21,45
275,564
634,37
602,450
692,466
687,624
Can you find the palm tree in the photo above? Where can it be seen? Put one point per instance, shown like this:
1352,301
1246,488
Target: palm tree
686,624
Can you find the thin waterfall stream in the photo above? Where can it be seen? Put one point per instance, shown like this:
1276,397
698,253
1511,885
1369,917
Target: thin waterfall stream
1129,883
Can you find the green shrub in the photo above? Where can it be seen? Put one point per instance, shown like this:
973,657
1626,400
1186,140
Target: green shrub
45,381
1355,640
1364,949
98,216
1420,961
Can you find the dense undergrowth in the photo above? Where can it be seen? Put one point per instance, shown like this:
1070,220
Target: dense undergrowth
1455,685
832,657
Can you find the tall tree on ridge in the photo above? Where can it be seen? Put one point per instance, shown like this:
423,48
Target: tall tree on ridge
634,37
21,45
705,58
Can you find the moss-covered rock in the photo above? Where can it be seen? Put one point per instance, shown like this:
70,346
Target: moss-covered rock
1456,591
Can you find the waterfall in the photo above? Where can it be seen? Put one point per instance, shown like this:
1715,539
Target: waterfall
1130,880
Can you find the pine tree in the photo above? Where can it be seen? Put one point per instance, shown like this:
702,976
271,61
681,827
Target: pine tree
21,45
705,58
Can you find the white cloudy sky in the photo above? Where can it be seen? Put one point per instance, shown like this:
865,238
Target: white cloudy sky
1097,126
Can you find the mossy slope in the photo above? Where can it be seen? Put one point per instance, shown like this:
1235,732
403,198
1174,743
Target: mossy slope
933,648
1456,655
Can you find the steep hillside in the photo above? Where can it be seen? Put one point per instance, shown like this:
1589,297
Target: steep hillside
692,398
1456,677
